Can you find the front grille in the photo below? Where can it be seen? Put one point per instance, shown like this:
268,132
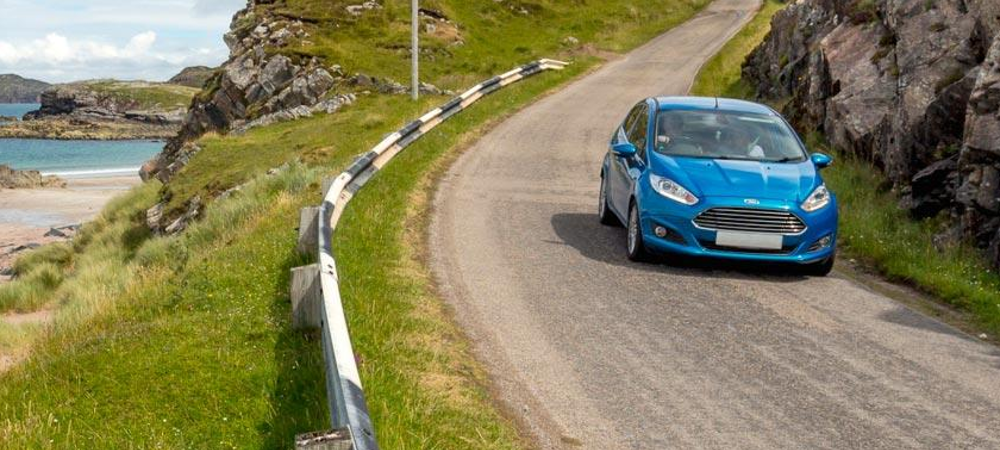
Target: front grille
749,219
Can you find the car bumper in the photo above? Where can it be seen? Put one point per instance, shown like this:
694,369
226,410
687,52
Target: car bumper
685,238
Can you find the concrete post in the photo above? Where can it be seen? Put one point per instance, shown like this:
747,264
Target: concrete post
306,295
308,230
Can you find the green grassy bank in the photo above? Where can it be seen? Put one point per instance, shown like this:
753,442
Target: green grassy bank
185,341
873,229
144,95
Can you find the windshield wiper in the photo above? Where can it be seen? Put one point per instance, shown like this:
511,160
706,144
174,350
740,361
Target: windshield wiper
785,159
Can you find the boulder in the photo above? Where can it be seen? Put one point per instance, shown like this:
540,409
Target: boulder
27,179
933,188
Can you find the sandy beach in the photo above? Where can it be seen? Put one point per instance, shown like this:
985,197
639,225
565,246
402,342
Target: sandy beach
27,214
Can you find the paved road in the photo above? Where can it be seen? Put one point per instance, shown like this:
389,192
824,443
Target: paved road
596,352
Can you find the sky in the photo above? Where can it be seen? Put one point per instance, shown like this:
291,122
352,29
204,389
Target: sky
68,40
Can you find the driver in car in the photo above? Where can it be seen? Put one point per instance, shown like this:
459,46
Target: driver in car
740,144
670,133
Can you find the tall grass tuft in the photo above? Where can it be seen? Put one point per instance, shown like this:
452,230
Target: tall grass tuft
59,254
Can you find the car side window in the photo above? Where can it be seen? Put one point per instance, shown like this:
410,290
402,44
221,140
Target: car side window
638,130
630,119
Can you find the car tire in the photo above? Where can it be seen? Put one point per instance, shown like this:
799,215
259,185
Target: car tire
822,268
604,212
634,244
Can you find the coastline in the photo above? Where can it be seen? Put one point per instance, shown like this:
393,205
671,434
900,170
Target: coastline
26,215
64,129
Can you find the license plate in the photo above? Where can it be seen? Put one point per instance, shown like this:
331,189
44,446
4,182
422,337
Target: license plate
758,241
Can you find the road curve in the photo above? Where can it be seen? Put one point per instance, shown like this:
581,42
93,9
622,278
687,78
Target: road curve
593,351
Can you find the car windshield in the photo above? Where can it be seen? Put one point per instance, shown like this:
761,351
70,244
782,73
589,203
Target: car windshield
726,135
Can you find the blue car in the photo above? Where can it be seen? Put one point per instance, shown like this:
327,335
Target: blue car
718,178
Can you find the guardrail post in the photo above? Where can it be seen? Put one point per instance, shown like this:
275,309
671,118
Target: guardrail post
308,230
324,440
306,297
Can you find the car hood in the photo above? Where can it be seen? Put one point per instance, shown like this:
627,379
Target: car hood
735,178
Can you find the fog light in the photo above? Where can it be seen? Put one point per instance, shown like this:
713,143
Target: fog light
822,243
660,231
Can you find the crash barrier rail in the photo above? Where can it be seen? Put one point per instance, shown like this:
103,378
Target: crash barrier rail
315,293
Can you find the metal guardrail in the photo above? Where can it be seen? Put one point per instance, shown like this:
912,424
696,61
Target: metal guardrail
316,298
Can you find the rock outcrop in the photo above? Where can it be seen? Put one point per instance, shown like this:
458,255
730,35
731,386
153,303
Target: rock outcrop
17,89
912,86
27,179
253,84
263,84
259,85
105,109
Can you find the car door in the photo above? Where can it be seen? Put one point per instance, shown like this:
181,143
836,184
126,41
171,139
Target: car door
626,169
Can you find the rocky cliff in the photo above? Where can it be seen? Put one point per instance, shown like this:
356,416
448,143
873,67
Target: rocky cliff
265,82
913,86
106,109
255,86
16,89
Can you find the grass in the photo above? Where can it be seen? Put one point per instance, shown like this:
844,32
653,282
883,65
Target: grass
143,95
494,35
185,341
214,170
873,229
876,231
721,76
194,350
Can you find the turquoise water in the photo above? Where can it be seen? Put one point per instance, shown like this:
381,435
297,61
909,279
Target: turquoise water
17,109
76,159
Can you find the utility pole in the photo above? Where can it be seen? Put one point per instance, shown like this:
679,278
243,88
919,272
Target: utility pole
415,48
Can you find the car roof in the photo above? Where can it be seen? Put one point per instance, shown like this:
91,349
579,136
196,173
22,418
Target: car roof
711,103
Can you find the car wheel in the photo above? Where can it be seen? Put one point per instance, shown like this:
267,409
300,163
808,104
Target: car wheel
634,244
822,268
603,211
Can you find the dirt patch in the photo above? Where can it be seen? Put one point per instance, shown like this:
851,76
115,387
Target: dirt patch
590,50
35,318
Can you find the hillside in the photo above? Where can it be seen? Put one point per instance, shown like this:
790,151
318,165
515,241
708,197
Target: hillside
171,311
195,76
17,89
106,109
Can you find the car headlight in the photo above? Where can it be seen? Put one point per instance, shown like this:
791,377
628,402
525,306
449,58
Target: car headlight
819,198
670,189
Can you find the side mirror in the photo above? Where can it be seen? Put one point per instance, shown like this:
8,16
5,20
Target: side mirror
625,149
821,160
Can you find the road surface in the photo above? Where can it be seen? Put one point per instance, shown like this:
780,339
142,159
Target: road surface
592,351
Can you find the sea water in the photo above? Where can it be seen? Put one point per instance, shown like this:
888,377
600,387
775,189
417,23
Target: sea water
17,109
78,159
73,159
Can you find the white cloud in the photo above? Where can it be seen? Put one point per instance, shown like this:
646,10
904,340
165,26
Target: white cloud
57,57
66,40
55,49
